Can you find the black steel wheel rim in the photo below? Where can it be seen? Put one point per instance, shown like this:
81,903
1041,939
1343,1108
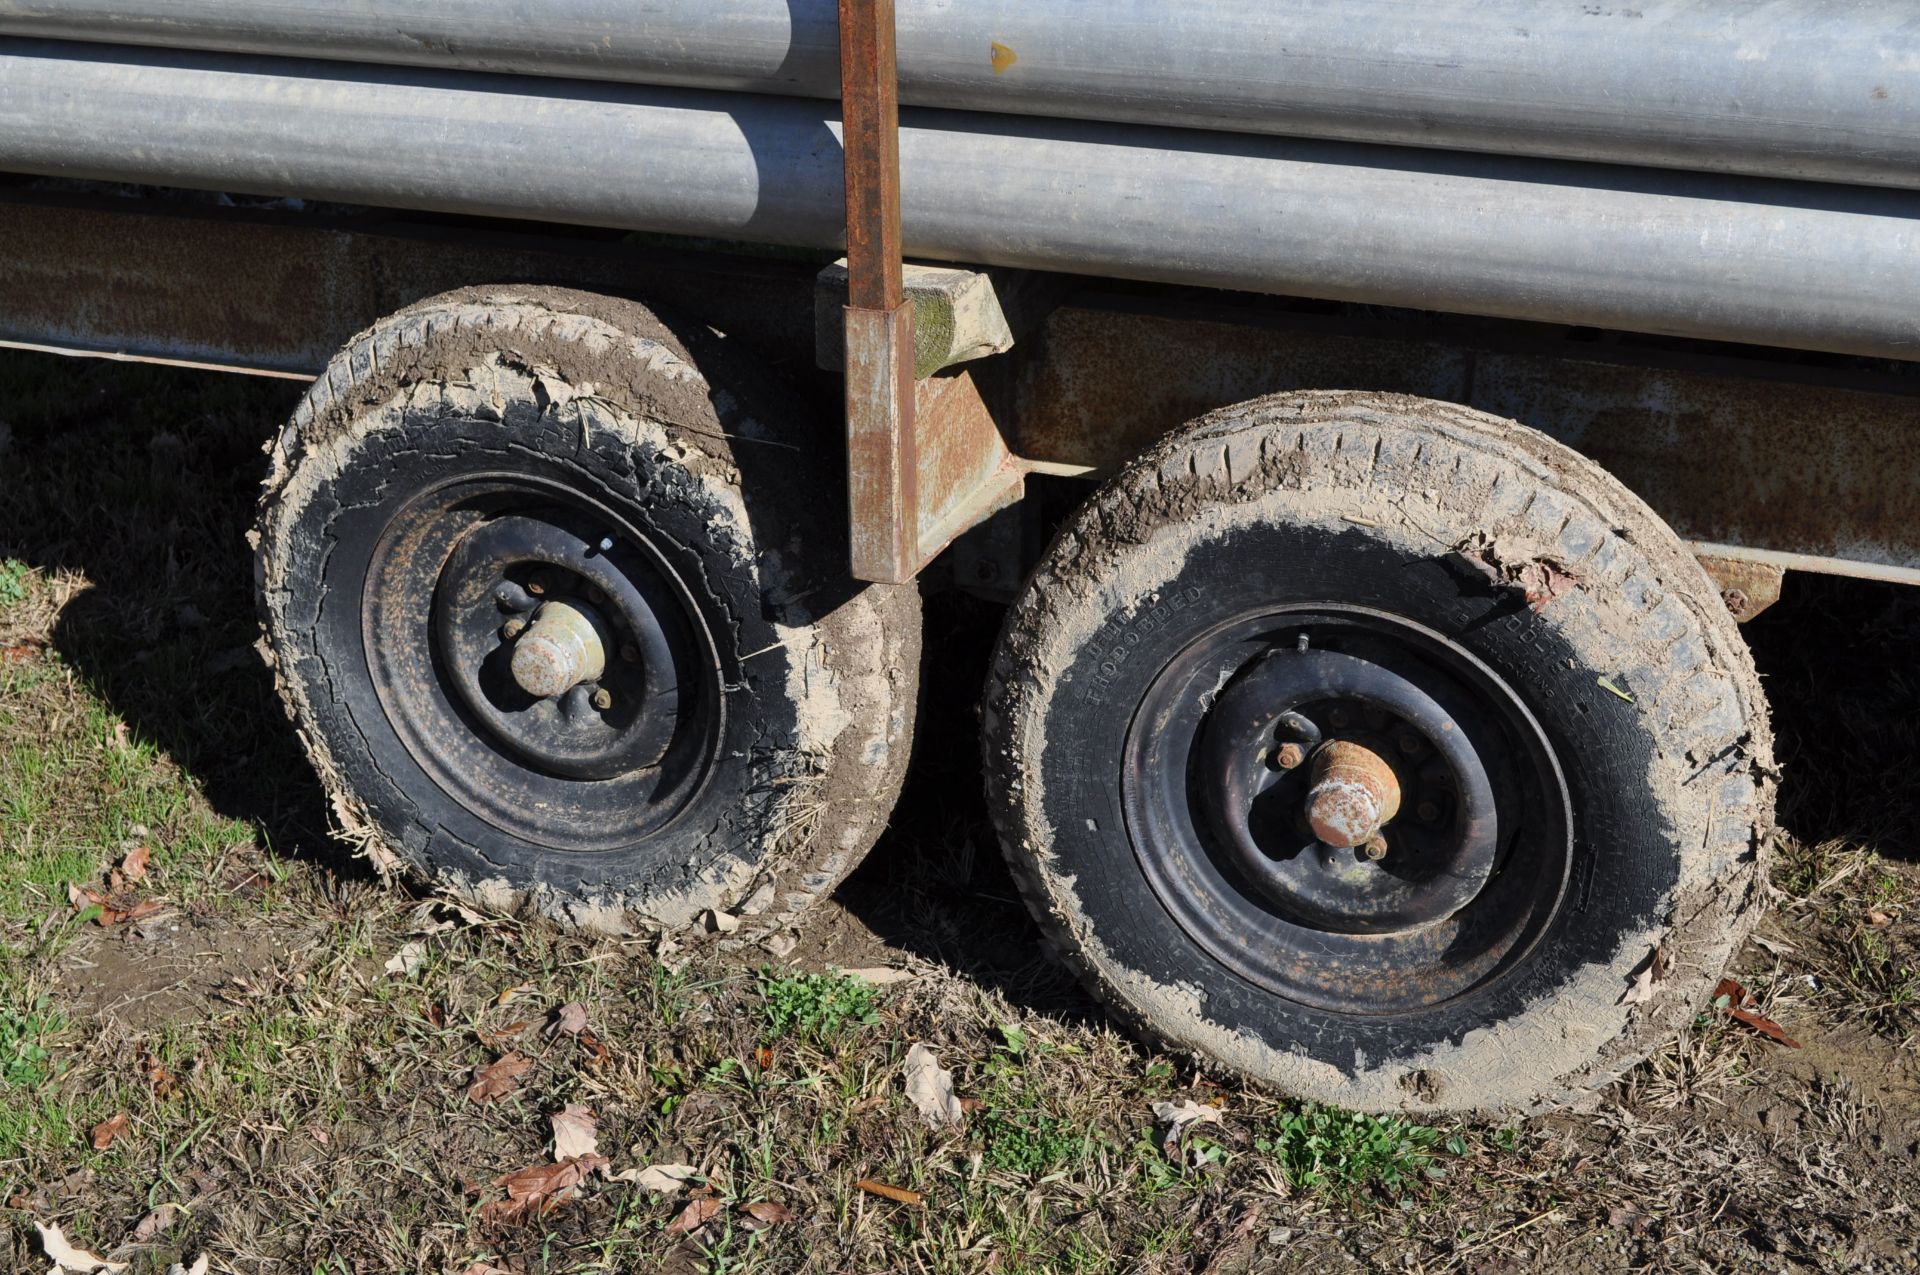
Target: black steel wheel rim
459,573
1466,878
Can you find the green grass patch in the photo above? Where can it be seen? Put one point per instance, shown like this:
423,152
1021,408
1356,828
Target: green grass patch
817,1008
15,581
1346,1151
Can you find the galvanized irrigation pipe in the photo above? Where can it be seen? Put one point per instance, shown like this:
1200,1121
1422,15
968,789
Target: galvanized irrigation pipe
1818,89
1819,267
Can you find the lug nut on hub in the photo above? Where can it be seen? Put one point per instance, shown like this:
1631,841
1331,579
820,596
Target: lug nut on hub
602,699
1288,756
1375,848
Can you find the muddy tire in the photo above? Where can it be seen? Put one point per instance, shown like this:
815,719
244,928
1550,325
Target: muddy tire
713,716
1550,723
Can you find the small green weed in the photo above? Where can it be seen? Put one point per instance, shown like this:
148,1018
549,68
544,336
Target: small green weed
14,577
1031,1145
819,1008
1347,1150
24,1060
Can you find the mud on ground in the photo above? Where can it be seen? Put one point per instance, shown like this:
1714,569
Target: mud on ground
293,1043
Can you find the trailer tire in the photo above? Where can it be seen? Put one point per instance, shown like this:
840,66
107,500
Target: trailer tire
741,729
1546,670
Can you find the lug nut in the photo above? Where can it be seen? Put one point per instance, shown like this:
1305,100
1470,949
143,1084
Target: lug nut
597,597
536,588
603,699
513,628
1340,718
630,653
1428,812
1288,756
1375,849
1410,743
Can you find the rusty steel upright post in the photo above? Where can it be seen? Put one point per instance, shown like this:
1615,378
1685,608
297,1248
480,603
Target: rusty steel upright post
881,455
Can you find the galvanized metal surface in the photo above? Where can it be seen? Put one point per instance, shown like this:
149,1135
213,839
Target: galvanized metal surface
1775,263
1739,461
1799,88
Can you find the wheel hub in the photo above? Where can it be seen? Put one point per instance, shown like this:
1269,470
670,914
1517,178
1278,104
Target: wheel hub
1354,794
541,659
563,648
1328,798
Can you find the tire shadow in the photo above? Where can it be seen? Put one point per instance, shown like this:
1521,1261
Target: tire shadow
142,481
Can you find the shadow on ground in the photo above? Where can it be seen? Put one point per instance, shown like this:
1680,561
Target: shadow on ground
141,481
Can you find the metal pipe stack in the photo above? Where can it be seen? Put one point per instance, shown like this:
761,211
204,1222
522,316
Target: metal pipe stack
1741,170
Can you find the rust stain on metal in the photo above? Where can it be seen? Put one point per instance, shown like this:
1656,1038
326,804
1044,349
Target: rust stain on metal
1748,588
1754,462
1002,57
1355,793
279,293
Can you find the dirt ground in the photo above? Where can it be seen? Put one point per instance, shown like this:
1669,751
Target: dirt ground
222,1036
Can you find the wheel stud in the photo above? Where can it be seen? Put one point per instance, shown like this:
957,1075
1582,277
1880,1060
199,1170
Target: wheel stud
1428,812
1288,756
1375,848
603,699
1411,745
630,653
513,628
536,587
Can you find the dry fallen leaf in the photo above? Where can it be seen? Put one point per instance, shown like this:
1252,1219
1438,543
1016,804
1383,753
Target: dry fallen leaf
538,1189
598,1054
165,1083
70,1260
898,1194
505,1034
931,1087
155,1224
134,866
114,1126
696,1215
1734,999
199,1267
569,1020
1645,979
409,960
575,1132
881,975
666,1179
765,1213
1178,1117
1877,918
498,1078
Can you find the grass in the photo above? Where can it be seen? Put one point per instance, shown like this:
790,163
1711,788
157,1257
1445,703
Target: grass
1346,1150
816,1008
308,1111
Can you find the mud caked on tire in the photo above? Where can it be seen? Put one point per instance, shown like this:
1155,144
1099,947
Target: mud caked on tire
1385,751
557,600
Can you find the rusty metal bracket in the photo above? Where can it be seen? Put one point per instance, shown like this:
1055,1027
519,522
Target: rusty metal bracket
925,458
